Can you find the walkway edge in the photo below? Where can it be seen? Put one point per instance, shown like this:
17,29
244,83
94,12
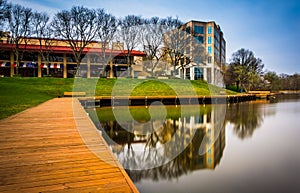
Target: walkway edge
78,112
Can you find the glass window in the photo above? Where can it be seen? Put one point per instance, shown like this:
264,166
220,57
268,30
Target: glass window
209,59
209,160
198,73
200,118
209,30
176,72
209,40
187,74
209,49
200,39
188,30
217,36
223,43
199,30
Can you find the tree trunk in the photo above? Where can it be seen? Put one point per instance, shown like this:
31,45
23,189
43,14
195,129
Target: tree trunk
102,74
237,83
17,62
246,90
174,69
78,70
47,63
129,66
152,68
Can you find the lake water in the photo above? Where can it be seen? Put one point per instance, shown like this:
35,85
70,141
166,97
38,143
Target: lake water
245,147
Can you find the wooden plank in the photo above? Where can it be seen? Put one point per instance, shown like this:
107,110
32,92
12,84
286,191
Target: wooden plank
41,170
259,92
115,189
42,150
57,178
74,94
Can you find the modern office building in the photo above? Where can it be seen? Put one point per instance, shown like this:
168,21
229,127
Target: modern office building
61,62
211,58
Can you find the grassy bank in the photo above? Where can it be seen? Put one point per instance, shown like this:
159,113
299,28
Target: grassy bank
18,94
150,87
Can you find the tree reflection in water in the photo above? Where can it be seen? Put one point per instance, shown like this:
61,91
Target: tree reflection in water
200,137
246,117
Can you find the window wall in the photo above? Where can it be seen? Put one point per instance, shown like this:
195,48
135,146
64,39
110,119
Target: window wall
198,30
209,50
209,30
198,73
209,59
209,40
200,39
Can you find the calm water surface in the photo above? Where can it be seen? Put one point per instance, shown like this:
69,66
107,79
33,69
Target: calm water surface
246,147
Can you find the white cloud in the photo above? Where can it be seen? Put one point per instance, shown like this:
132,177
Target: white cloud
37,6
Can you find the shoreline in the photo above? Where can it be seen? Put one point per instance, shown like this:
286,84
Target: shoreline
106,101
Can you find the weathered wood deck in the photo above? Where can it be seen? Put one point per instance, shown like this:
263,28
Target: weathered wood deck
261,94
42,150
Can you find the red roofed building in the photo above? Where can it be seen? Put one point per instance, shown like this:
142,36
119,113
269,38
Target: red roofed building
61,60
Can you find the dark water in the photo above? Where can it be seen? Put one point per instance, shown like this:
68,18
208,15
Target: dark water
246,147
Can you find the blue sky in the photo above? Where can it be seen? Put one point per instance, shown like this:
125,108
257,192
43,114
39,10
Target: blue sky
271,29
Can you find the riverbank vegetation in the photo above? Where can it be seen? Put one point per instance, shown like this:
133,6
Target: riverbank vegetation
246,72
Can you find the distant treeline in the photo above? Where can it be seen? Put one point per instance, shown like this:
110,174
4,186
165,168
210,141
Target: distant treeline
246,72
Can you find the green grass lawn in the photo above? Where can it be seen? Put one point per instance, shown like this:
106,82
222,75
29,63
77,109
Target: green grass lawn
156,87
18,94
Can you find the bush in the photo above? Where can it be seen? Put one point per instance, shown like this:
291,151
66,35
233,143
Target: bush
234,88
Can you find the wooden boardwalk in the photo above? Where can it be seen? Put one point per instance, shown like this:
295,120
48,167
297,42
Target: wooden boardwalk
42,150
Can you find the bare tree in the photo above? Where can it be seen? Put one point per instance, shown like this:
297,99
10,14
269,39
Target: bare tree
107,28
3,8
197,52
43,33
130,35
39,22
289,82
78,28
19,23
175,42
152,37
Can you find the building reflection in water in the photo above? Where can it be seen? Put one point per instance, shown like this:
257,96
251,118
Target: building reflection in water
199,139
157,148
